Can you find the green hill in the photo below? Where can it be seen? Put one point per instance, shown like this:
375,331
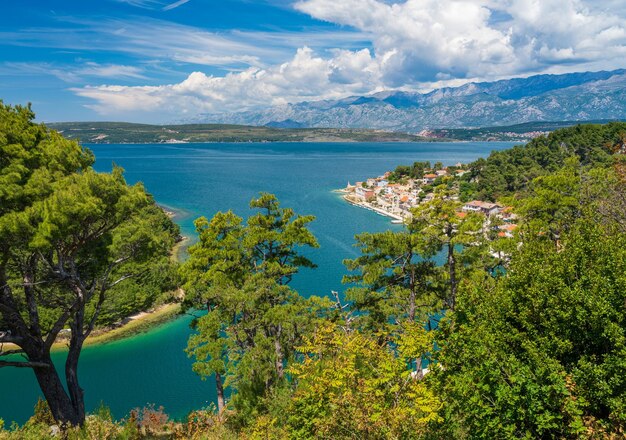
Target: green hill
121,132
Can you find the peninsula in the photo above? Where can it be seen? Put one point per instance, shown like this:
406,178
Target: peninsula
396,193
130,133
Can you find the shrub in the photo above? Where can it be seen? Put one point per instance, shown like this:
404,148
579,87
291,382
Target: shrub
150,420
42,414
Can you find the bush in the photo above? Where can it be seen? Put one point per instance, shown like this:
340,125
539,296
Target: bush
150,420
100,425
42,414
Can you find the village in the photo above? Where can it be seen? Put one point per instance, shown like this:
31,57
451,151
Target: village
397,199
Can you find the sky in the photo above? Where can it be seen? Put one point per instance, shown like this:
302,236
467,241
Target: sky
162,61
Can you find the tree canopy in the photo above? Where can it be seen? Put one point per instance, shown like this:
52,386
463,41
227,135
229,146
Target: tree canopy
68,237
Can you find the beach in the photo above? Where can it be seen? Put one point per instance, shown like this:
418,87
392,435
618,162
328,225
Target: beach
137,323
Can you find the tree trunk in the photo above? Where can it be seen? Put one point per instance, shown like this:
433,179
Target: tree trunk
28,338
71,367
57,398
419,374
413,294
412,305
452,272
279,354
221,403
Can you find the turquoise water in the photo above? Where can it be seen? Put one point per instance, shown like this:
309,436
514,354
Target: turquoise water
201,179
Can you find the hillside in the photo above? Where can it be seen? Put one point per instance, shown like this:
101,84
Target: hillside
521,132
121,132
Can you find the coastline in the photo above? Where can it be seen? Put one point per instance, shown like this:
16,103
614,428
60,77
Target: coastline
134,324
178,251
139,322
396,219
304,141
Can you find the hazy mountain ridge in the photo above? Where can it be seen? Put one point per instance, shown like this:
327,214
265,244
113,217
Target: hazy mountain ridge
574,97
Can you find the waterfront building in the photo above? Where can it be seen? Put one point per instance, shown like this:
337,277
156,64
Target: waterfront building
429,178
483,207
364,193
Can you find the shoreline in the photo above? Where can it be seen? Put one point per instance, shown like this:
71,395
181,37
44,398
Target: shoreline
397,219
139,322
178,251
329,141
131,326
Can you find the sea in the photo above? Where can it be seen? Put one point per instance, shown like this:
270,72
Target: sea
196,180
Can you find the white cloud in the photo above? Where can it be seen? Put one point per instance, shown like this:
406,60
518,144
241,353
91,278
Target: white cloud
109,71
306,76
73,73
172,42
154,4
175,5
150,38
462,39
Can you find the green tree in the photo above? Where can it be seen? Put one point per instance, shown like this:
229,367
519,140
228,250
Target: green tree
68,235
240,274
539,352
441,226
553,202
509,171
216,267
395,279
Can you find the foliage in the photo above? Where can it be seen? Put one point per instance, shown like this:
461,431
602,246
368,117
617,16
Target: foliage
509,171
540,352
239,273
395,281
415,171
439,225
149,420
355,385
41,413
144,423
553,201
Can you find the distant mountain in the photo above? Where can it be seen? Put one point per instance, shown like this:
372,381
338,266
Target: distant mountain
572,97
287,123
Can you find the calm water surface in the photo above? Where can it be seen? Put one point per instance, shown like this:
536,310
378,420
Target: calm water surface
201,179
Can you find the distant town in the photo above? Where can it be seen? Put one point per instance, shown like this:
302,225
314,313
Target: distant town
395,194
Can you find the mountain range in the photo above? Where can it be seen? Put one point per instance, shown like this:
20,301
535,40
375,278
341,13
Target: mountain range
573,97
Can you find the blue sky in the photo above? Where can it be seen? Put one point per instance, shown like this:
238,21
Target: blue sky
167,60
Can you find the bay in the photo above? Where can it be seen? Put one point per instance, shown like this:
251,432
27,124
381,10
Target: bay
201,179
